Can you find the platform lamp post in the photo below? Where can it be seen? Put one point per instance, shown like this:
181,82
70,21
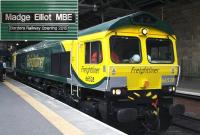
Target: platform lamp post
26,44
16,46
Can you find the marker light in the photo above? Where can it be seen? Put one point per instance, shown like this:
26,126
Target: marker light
113,92
144,31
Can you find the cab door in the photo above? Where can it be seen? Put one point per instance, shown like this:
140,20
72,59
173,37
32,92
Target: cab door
90,63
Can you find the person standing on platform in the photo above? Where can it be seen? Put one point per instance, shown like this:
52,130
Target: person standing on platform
1,70
4,70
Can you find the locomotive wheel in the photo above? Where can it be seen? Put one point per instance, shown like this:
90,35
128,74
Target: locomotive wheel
90,108
53,93
151,124
165,119
70,101
103,110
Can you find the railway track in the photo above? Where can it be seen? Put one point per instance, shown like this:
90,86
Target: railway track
187,123
188,95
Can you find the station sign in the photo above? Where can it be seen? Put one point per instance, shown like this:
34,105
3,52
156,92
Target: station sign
37,20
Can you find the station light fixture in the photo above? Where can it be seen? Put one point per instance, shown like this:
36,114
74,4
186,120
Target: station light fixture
25,40
17,44
95,8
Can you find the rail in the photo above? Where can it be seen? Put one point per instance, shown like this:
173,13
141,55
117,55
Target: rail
187,123
188,95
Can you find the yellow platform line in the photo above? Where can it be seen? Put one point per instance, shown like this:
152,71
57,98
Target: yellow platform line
63,126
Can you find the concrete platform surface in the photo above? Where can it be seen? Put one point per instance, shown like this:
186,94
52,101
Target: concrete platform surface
26,111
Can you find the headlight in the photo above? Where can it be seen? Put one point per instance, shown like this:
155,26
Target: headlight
144,31
118,92
170,89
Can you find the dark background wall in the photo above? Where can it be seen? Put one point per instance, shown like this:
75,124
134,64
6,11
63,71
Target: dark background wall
184,16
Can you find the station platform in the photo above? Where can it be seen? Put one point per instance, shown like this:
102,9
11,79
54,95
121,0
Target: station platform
26,111
189,87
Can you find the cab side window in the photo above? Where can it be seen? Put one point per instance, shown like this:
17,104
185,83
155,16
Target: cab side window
93,52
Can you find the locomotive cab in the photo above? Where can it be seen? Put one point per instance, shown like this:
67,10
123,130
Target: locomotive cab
143,62
146,70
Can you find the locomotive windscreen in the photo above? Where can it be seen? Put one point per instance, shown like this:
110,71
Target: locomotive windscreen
123,48
160,50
